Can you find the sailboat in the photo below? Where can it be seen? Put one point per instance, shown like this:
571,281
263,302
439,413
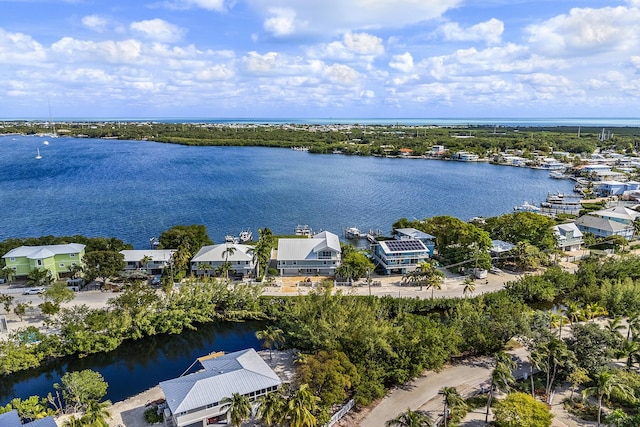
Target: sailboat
38,156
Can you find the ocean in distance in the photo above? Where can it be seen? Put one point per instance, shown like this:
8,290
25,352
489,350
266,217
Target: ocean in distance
514,122
134,190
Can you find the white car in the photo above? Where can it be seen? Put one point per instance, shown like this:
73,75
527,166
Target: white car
33,291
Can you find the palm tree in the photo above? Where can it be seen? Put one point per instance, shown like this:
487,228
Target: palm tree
614,326
96,413
606,382
633,324
204,267
631,349
144,261
573,312
39,277
501,377
269,337
556,321
593,310
73,422
301,407
229,251
262,249
410,418
452,400
239,408
272,408
469,287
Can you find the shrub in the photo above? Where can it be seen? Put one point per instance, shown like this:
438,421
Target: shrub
151,415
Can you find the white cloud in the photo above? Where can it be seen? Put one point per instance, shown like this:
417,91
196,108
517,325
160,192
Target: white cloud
95,22
635,61
212,5
215,72
489,31
402,62
126,51
159,30
363,44
260,64
342,74
339,16
586,31
21,49
282,22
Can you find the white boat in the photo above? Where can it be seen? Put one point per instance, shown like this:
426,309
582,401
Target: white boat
230,239
558,175
245,236
352,233
46,142
526,207
38,156
303,230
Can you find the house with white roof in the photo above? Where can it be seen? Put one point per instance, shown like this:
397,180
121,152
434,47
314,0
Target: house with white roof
604,227
11,419
155,260
240,257
568,237
318,255
196,400
58,259
412,233
620,214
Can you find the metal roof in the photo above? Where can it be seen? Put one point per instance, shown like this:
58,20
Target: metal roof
156,255
239,372
600,223
11,419
42,252
216,253
415,234
299,249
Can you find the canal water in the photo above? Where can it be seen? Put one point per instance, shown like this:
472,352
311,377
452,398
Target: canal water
136,365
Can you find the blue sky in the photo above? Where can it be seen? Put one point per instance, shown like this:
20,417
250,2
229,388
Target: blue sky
319,59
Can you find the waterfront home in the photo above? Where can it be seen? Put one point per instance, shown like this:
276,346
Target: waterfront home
58,259
603,227
411,233
568,237
558,203
240,258
399,256
464,156
437,151
319,255
615,188
155,260
620,214
196,399
11,419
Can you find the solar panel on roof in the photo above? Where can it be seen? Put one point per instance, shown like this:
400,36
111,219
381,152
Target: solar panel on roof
405,245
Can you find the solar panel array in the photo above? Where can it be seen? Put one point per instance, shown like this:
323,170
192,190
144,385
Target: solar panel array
404,245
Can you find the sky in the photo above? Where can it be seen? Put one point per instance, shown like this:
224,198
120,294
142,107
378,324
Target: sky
319,58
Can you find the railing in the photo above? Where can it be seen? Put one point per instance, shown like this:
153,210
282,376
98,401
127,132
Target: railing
341,413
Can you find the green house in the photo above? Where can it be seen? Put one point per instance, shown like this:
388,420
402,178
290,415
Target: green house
58,259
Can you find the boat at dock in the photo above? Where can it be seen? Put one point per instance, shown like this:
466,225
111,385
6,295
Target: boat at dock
526,207
245,236
352,233
558,175
303,230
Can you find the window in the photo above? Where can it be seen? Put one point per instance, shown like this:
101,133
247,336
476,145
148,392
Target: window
72,255
12,258
61,264
39,262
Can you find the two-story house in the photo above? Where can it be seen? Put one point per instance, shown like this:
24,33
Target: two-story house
152,261
398,255
318,255
568,237
240,258
58,259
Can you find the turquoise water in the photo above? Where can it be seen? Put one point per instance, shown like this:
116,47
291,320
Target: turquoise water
134,190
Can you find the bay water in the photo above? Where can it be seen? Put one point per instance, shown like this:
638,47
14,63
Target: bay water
134,190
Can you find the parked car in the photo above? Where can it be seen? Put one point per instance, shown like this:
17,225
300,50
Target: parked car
156,280
33,291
